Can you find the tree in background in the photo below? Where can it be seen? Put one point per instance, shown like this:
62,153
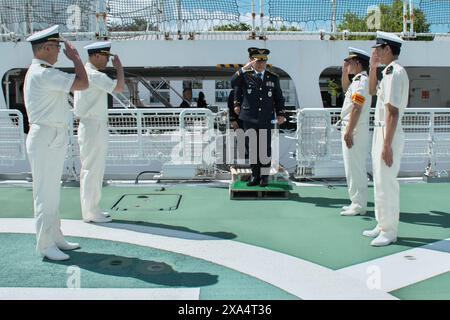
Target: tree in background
233,27
391,21
246,27
138,24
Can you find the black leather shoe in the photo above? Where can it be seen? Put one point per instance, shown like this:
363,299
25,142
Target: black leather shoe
254,181
264,181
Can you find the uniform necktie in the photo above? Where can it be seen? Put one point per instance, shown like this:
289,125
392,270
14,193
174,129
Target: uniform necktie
259,78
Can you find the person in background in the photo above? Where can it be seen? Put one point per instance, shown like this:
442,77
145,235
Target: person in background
187,98
201,102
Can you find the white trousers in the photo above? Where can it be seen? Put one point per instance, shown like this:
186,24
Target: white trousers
46,148
386,186
93,142
355,160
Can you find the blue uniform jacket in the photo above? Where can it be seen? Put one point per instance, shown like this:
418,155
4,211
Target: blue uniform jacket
261,100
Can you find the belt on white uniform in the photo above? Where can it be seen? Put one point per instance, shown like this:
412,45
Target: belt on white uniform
345,122
53,124
379,124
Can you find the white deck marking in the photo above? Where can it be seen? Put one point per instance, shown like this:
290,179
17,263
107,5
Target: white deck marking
296,276
99,294
405,268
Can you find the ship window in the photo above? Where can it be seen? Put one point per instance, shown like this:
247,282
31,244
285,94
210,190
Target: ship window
195,85
162,88
223,89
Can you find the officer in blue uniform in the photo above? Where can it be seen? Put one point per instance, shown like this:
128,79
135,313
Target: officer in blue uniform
262,98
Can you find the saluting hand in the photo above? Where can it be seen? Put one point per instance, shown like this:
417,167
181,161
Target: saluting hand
117,64
375,59
70,51
345,67
249,64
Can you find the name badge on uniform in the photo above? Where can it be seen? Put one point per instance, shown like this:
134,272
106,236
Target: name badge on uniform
269,94
270,84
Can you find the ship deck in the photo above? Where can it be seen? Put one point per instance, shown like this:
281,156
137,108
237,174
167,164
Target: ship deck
190,241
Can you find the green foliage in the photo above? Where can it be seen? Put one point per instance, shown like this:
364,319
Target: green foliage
138,24
284,28
233,27
391,21
335,87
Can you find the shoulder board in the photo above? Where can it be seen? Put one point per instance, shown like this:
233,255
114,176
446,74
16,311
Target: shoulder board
272,73
248,70
357,78
45,66
389,70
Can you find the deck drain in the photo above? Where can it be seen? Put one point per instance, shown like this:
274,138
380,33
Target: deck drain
115,263
154,268
147,202
410,258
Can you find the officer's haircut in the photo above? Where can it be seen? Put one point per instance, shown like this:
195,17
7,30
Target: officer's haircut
37,47
187,89
363,63
395,50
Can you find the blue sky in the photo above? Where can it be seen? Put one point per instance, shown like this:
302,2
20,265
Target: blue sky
245,9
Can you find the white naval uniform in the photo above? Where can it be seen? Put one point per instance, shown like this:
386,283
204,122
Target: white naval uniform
46,99
393,89
355,158
91,106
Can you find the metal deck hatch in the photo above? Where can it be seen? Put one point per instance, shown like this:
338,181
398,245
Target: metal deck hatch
147,202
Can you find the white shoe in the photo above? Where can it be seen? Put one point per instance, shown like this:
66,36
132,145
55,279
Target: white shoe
64,245
372,233
383,239
98,218
345,208
106,214
53,253
353,212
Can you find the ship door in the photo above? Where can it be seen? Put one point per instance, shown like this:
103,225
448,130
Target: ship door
425,94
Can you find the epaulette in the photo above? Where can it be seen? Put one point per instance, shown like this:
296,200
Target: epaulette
272,73
45,66
357,78
389,70
248,70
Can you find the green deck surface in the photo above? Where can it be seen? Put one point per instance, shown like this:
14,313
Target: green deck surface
96,271
307,225
273,186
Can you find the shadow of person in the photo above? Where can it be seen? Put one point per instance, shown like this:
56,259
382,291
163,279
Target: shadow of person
153,272
167,230
337,203
432,218
415,242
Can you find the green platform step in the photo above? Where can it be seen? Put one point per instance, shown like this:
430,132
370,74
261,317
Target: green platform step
275,190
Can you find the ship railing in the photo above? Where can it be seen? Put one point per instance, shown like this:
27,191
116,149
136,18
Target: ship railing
319,146
12,137
143,137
